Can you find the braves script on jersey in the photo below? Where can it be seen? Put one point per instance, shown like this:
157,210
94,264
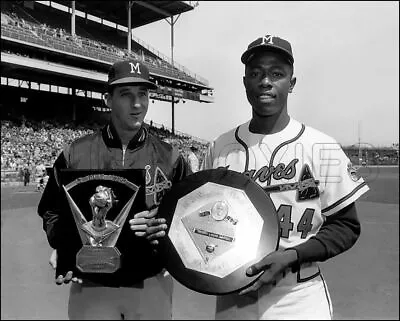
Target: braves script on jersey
306,173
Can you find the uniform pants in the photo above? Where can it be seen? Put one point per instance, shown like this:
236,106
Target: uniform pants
306,301
149,301
289,300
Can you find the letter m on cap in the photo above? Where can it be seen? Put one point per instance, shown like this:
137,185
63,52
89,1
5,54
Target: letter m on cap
267,39
135,68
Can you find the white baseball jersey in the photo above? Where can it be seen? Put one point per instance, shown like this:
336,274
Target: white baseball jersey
309,177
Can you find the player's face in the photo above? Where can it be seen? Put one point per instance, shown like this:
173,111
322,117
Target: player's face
129,106
268,80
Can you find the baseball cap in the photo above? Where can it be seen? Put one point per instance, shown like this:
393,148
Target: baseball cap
268,42
130,72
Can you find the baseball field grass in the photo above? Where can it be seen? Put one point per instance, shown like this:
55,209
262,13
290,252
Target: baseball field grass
363,282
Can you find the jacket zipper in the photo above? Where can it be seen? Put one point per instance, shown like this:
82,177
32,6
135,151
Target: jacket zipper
123,154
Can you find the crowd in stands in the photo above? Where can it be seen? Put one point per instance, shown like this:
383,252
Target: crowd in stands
58,38
190,147
35,145
372,156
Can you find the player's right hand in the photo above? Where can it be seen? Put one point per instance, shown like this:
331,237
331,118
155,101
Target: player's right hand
62,279
53,259
146,225
68,277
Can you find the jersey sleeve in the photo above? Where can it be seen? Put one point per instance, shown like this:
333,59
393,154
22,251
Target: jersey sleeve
342,185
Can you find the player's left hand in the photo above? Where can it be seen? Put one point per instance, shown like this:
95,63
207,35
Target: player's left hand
145,224
273,267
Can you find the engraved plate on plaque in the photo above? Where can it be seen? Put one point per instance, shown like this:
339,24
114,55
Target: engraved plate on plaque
212,232
220,222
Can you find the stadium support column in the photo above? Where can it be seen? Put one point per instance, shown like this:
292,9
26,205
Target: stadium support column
74,105
173,115
172,23
73,19
129,8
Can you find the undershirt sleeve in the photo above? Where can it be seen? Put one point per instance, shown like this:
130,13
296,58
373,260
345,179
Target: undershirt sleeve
338,233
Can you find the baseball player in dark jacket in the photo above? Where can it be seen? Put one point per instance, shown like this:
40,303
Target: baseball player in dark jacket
124,143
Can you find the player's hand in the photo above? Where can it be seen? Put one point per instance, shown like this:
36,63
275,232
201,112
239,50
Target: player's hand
62,279
146,225
68,277
273,267
53,259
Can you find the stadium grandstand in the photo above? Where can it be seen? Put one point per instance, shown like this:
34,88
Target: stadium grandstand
366,155
55,56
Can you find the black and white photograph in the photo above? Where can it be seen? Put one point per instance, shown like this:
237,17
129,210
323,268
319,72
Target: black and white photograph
199,160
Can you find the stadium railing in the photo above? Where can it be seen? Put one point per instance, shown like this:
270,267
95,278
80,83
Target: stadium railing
10,176
50,37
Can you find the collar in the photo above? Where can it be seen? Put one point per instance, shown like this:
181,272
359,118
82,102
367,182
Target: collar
111,138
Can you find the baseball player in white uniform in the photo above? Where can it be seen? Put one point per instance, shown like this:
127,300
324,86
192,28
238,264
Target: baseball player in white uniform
310,181
312,184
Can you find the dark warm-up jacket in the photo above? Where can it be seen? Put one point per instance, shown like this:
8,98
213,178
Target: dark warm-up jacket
103,150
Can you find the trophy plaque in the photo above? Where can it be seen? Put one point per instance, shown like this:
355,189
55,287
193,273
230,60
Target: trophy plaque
220,222
100,202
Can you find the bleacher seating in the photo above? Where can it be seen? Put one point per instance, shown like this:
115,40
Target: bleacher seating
100,43
31,143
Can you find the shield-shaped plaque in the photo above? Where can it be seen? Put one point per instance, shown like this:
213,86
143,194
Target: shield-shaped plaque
219,223
100,202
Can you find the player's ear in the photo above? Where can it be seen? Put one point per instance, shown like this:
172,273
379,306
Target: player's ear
292,84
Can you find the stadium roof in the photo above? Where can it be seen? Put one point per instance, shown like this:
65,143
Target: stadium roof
143,12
